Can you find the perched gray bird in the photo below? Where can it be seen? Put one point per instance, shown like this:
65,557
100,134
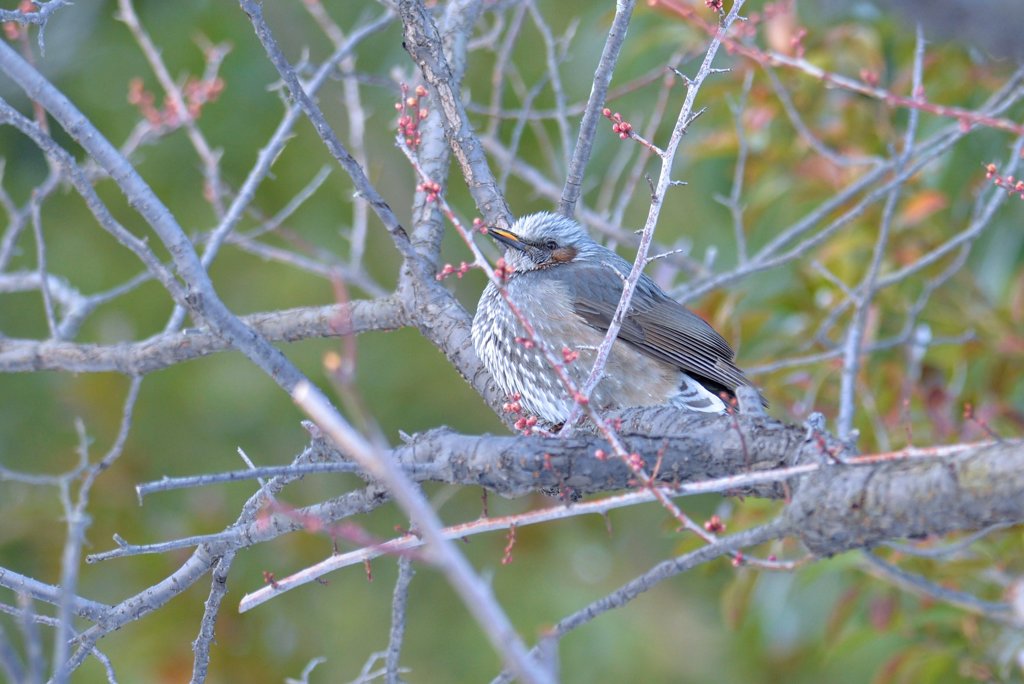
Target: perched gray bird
566,285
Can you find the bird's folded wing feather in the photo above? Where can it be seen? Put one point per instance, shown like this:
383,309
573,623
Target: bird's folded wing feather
659,327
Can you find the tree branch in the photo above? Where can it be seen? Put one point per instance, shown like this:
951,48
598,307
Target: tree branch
170,348
592,114
423,42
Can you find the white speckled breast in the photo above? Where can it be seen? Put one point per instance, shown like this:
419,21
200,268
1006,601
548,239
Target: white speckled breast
630,379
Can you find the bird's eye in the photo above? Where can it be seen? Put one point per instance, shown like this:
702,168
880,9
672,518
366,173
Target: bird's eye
551,245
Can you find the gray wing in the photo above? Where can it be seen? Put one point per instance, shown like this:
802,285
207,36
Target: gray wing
657,325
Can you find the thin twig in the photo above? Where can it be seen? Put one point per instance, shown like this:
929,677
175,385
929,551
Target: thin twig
660,572
399,599
595,102
1000,612
218,589
866,292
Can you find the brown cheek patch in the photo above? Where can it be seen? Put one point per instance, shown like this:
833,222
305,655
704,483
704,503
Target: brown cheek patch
563,254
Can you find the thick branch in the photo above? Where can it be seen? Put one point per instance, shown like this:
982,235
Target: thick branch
834,508
843,508
690,446
167,349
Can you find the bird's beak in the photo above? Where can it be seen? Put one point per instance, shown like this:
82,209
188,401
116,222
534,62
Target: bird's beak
507,238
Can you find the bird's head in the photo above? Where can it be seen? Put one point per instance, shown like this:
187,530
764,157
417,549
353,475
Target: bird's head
544,240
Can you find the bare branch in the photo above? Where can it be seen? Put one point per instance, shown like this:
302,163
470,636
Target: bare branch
475,594
170,348
660,572
866,291
424,45
999,611
398,617
218,588
658,198
592,112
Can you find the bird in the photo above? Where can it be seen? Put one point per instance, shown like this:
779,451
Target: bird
568,287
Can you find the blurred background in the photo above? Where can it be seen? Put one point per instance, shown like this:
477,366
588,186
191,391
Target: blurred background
827,622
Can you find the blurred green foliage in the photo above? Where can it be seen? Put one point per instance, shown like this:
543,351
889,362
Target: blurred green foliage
827,622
